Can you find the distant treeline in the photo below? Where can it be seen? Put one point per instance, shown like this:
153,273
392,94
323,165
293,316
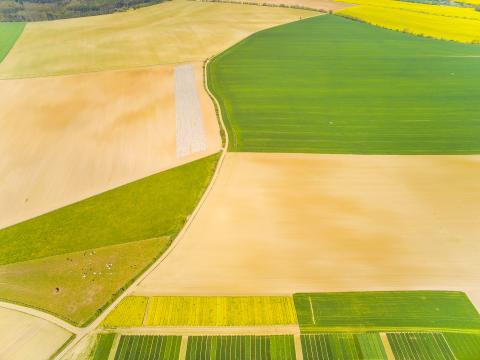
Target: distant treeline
37,10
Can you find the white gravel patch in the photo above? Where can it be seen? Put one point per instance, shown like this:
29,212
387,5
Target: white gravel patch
189,119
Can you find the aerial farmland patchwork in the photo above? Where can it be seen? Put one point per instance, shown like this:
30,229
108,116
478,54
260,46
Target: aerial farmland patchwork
280,179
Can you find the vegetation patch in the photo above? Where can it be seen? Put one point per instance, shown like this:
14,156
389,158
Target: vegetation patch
378,310
343,346
440,22
148,348
104,345
53,284
221,311
419,346
463,346
153,207
324,85
9,33
130,312
278,347
37,10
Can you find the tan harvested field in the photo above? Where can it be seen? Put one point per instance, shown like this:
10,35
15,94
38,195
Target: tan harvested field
26,337
285,223
69,137
173,32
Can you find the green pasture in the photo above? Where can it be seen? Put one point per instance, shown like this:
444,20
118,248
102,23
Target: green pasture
153,207
276,347
383,311
9,33
332,85
53,284
147,347
343,346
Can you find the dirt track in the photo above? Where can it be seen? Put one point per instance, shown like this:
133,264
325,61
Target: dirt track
283,223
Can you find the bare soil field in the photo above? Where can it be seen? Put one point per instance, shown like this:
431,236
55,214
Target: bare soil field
26,337
285,223
66,138
173,32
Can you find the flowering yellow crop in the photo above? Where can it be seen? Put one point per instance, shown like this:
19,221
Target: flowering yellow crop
130,312
462,26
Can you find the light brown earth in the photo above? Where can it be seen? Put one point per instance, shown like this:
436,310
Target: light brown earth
172,32
25,337
66,138
285,223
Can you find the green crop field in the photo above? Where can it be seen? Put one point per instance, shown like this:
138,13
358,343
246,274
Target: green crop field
9,33
221,311
419,346
278,347
148,348
333,85
148,208
104,344
378,310
130,312
338,346
464,346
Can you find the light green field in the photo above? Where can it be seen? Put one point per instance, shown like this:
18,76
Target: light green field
153,207
383,311
130,312
337,86
89,273
148,348
173,32
9,33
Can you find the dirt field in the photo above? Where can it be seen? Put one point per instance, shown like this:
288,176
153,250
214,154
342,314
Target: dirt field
173,32
283,223
66,138
26,337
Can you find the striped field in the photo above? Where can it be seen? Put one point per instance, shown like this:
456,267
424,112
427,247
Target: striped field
103,347
279,347
221,311
464,346
419,346
130,312
338,346
148,348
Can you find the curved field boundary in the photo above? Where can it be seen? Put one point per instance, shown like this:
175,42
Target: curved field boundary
9,34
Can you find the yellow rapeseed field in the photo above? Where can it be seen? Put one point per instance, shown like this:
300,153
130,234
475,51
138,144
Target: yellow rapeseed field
441,22
130,312
221,311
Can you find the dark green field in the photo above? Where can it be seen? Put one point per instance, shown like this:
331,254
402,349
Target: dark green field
278,347
419,346
148,348
340,346
103,347
383,311
149,208
464,346
9,33
333,85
